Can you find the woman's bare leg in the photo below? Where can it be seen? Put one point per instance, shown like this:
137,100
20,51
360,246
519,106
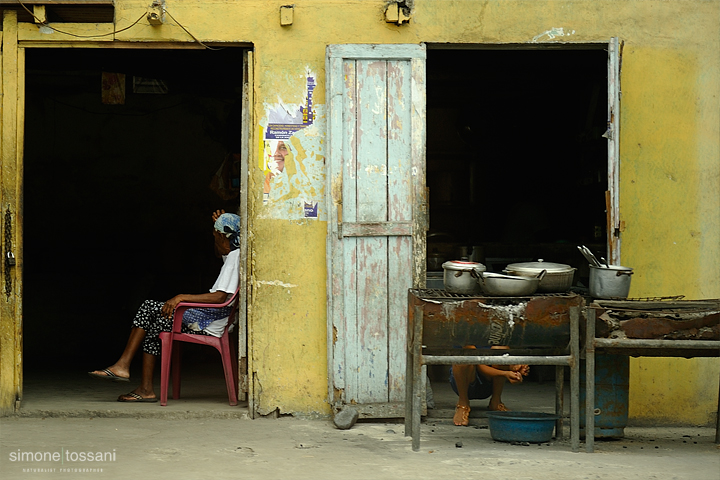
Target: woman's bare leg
496,401
145,389
464,376
121,368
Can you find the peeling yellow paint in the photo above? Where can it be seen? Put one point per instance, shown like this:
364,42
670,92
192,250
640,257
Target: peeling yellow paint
276,283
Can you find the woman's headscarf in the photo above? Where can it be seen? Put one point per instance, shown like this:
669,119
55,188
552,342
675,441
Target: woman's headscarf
229,225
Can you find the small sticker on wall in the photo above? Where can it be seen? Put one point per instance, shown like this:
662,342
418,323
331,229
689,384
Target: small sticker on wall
311,209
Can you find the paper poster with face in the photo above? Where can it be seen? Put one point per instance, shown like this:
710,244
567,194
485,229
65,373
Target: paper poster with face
292,160
274,159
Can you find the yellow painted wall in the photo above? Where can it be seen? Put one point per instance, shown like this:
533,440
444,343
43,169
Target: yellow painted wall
670,202
288,316
669,150
669,144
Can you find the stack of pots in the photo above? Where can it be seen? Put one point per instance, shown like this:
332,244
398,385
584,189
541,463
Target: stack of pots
462,277
558,276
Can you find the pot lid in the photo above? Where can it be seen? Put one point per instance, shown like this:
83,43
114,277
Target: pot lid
462,265
537,267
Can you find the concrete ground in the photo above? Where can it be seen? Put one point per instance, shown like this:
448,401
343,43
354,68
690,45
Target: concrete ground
200,436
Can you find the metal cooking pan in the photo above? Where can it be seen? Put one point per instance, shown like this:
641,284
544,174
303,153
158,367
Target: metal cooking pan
500,285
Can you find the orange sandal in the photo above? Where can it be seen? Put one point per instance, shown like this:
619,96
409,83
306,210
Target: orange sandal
462,414
500,408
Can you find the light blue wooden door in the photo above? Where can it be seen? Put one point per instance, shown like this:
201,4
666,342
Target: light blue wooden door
377,218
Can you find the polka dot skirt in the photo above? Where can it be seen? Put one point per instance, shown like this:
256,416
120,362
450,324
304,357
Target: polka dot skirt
149,318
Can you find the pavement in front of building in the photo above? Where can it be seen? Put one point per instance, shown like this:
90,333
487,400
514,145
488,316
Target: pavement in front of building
200,436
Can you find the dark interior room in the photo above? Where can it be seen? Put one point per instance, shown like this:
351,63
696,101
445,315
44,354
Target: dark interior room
516,161
121,147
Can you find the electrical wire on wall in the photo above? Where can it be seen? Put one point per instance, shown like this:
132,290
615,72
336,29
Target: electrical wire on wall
188,31
44,23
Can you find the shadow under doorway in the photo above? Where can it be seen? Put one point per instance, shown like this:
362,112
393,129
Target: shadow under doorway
120,150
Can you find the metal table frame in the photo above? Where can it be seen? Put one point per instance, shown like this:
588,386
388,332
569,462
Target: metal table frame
415,360
592,343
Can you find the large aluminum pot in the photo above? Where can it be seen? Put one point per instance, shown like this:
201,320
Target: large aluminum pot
612,281
461,277
499,285
558,277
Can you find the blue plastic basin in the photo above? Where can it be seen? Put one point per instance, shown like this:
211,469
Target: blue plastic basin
521,426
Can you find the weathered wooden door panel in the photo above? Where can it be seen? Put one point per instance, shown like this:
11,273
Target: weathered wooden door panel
400,189
376,179
370,189
614,226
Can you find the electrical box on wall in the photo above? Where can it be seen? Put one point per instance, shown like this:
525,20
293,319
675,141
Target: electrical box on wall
286,15
156,13
397,12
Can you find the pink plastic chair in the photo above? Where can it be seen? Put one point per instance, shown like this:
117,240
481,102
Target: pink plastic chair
171,350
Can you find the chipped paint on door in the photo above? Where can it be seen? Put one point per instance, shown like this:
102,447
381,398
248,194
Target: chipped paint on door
373,124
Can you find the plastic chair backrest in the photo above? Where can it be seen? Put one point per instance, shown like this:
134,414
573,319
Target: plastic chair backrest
182,306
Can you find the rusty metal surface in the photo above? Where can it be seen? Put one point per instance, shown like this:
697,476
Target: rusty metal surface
677,320
457,321
660,352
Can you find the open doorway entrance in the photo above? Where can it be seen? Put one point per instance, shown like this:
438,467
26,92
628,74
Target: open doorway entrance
516,159
517,166
121,147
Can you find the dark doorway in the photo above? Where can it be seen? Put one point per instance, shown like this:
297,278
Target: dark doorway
516,161
117,203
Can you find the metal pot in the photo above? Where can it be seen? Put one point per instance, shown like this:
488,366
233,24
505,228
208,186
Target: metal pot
500,285
461,277
612,281
558,277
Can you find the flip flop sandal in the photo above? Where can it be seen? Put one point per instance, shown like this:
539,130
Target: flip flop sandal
135,398
462,414
109,376
500,408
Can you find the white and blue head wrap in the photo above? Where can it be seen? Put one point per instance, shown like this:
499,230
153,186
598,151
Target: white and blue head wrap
229,225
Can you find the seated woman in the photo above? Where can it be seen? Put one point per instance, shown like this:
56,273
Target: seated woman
477,382
154,317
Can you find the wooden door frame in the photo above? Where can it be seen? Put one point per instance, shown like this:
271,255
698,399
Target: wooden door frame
13,87
335,56
11,183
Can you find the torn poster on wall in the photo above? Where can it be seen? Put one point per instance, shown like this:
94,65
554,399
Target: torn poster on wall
292,159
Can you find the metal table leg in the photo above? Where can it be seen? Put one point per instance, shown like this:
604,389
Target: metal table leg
575,378
416,377
409,377
590,381
559,399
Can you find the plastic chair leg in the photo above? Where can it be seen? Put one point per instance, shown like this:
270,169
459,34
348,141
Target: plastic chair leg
176,370
165,363
226,354
234,361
